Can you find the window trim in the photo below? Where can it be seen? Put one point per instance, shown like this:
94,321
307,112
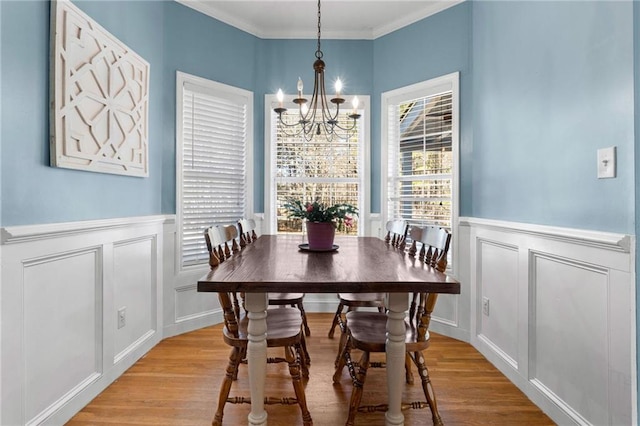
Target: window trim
215,87
394,97
270,226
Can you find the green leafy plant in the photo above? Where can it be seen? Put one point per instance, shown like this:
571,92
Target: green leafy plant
338,214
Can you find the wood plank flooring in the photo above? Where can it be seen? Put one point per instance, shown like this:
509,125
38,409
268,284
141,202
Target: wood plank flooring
177,383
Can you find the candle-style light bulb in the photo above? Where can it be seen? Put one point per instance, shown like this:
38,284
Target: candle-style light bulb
355,103
280,97
300,87
304,109
338,88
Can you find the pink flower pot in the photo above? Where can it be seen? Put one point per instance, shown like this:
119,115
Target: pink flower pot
320,235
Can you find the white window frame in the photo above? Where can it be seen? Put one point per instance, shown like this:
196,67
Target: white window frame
270,223
222,90
418,90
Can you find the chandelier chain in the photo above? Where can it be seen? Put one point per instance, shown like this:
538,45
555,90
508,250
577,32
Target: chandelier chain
319,52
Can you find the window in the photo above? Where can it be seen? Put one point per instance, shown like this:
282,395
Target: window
213,134
421,167
332,171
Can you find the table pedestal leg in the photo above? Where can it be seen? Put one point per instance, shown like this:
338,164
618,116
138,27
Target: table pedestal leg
256,305
395,347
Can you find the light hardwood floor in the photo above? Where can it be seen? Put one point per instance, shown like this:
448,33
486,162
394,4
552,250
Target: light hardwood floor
177,383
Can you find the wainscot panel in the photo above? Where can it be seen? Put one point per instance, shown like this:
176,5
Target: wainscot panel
62,286
553,309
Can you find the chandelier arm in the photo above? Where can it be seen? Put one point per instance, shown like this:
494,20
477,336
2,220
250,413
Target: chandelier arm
310,116
323,99
354,124
284,129
327,117
285,124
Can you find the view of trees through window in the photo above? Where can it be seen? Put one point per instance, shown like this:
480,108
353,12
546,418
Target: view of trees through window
422,162
323,169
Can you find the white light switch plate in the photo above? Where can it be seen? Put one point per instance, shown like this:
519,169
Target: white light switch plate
607,162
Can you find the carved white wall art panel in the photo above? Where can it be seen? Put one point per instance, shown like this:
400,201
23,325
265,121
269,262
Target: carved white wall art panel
99,97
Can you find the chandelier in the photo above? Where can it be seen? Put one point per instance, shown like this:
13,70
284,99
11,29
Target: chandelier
317,115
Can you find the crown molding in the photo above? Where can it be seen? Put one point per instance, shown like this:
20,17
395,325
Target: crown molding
212,11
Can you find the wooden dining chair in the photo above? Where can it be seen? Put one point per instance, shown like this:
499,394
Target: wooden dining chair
396,237
221,243
247,229
366,331
284,330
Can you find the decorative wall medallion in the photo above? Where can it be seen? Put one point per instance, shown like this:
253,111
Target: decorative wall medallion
99,97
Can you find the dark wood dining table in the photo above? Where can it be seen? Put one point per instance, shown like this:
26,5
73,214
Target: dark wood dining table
359,264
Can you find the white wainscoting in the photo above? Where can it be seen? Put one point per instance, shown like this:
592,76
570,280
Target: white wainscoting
561,321
561,316
61,288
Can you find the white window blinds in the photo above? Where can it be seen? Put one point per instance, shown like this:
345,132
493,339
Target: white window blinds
212,165
420,160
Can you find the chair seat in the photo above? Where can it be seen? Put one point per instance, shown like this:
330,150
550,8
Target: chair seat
285,298
282,324
368,332
355,298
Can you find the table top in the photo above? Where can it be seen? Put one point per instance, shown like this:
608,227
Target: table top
360,265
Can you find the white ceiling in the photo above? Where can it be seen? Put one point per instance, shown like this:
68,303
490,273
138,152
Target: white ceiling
341,19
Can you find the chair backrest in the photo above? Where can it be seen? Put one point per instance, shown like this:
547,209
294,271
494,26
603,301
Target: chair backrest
247,230
218,238
435,245
397,233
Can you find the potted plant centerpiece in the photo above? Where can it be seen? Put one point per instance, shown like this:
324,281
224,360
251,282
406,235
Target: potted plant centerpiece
322,220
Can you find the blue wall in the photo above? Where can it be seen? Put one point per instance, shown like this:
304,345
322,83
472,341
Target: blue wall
552,83
32,192
538,98
435,46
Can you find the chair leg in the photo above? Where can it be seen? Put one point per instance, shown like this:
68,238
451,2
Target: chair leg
303,344
336,318
304,365
232,372
307,331
343,341
243,356
358,384
293,359
408,375
343,356
427,387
